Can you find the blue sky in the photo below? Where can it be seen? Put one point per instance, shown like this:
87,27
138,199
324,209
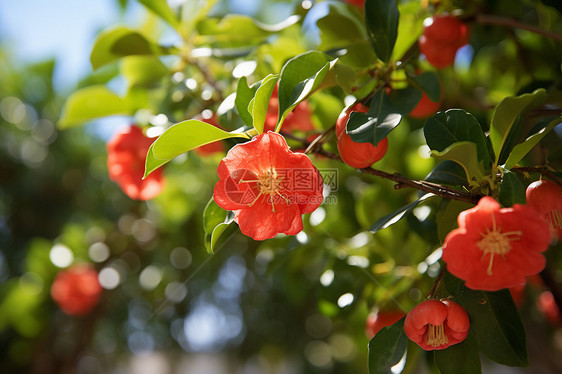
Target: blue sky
34,30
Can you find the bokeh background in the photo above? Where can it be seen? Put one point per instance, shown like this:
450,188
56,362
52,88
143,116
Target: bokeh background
289,305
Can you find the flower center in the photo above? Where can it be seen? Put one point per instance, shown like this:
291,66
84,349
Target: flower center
555,218
436,335
495,241
269,184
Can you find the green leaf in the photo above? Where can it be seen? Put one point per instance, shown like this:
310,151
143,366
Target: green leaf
409,28
358,55
428,82
505,117
236,30
118,42
447,172
461,358
456,125
521,149
93,102
215,223
259,104
300,76
183,137
446,217
381,17
397,215
375,125
142,70
464,154
339,28
494,320
244,95
161,8
387,348
512,191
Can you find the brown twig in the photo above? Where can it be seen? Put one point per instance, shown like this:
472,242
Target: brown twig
401,181
488,19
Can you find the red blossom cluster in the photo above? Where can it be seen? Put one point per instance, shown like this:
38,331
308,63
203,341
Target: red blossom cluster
76,290
126,156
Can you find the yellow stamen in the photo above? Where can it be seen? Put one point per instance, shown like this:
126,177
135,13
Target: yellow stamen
496,242
269,184
436,335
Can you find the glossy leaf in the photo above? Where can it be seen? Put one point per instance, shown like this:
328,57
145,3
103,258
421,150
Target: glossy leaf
428,82
456,125
93,102
161,8
339,28
461,358
300,76
464,154
409,28
118,42
183,137
259,104
447,172
512,190
381,17
446,217
244,95
142,70
375,125
215,223
520,150
397,215
506,116
494,320
387,348
235,30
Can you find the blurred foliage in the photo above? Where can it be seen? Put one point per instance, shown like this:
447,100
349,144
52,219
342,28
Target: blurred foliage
298,302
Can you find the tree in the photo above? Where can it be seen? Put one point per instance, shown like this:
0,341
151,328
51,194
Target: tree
263,234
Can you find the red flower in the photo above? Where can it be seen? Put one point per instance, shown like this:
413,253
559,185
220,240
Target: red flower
214,147
376,321
437,324
76,290
496,248
267,186
545,197
442,36
357,155
126,156
298,119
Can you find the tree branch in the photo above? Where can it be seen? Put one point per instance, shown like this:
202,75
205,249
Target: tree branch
401,181
488,19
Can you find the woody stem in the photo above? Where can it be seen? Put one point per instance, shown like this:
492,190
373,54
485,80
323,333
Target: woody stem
401,181
488,19
436,285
